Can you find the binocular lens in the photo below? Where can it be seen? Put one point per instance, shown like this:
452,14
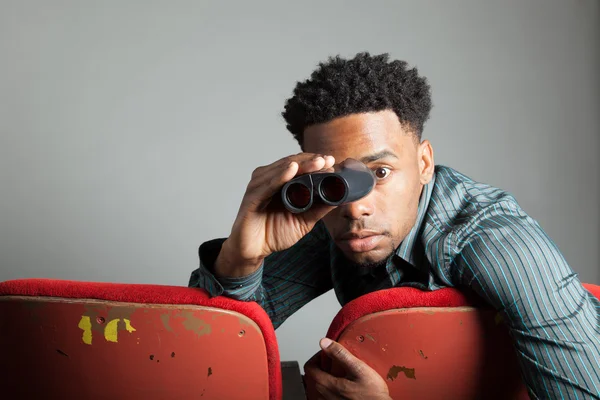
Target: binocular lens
350,181
333,189
298,195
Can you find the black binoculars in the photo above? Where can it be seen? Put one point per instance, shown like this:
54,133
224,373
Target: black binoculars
352,181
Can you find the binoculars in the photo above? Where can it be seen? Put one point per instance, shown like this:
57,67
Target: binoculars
352,181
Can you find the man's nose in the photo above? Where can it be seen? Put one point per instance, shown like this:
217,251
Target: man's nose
358,209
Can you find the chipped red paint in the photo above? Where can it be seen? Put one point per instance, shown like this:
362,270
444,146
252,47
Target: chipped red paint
163,352
438,353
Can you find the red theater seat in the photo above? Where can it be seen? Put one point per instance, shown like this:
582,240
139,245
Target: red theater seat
82,340
432,345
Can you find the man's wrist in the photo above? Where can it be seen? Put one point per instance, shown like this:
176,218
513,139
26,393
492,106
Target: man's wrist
228,265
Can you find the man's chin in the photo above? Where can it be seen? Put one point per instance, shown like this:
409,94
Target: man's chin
369,259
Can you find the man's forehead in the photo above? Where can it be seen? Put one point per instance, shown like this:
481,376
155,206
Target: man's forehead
355,136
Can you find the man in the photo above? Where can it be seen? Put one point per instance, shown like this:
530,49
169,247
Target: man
423,225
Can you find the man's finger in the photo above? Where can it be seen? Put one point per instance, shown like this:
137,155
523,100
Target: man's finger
339,353
269,181
300,158
323,379
315,164
261,189
326,394
315,360
306,161
312,370
315,213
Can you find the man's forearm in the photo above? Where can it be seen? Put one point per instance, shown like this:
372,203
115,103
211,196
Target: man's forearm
227,265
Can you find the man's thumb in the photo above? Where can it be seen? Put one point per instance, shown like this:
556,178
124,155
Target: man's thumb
340,354
325,343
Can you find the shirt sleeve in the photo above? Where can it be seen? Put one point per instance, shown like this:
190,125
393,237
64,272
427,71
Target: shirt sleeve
285,282
241,288
505,256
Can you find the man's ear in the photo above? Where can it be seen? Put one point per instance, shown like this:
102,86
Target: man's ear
426,161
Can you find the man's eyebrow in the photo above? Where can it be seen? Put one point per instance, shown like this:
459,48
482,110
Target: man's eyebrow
378,156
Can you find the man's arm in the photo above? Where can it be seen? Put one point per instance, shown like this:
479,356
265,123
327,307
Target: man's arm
511,263
272,256
285,281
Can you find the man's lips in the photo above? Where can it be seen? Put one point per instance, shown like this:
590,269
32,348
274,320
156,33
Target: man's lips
357,235
359,241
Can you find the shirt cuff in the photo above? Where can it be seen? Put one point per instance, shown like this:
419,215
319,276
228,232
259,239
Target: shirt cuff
240,288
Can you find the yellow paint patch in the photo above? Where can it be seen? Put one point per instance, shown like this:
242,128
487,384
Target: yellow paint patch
128,326
111,331
85,324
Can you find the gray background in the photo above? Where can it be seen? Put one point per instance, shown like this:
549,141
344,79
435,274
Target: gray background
129,129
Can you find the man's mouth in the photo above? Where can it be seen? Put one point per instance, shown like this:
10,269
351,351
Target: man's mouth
359,241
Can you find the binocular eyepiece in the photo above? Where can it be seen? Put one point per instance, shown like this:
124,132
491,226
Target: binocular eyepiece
352,181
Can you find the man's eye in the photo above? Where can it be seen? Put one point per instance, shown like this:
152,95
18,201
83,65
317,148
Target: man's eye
382,172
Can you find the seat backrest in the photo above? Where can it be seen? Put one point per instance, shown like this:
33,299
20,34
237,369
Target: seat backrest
593,289
68,339
432,345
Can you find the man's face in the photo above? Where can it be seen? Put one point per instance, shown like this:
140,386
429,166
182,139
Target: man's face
369,230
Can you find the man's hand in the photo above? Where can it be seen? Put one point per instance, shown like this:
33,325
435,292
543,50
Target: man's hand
360,380
261,229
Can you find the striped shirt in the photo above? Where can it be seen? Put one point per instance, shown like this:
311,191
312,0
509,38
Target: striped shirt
469,235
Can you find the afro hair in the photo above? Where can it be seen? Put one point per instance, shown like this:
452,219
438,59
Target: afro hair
365,83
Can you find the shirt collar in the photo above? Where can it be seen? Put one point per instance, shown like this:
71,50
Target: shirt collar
406,250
